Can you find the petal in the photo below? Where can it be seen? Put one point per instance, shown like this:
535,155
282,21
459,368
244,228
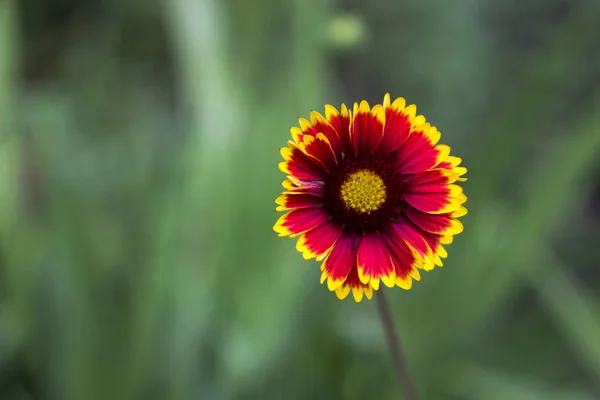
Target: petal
411,111
435,242
446,239
302,166
340,121
386,100
317,124
357,292
340,260
443,224
453,174
297,134
342,291
353,283
367,128
404,282
298,186
286,153
460,171
443,153
406,229
415,275
319,148
305,129
322,125
451,165
431,181
433,135
374,261
404,258
396,129
319,241
299,221
417,154
430,192
432,242
461,212
436,203
450,162
297,201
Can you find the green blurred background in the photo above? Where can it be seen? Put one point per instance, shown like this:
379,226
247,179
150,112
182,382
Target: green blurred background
139,143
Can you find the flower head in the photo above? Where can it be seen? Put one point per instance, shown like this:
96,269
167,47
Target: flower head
371,195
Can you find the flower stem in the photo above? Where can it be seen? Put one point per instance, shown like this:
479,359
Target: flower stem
402,373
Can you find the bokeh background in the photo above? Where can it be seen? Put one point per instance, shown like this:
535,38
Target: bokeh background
139,143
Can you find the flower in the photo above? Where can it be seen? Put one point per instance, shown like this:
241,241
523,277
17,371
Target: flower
371,195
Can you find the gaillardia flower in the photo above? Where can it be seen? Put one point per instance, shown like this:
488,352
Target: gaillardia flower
371,194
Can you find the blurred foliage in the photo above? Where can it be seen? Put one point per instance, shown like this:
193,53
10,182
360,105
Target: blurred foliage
138,167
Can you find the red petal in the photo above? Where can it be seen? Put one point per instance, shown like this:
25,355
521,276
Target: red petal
297,201
340,121
402,256
320,148
322,125
318,241
445,165
367,131
298,186
338,263
432,192
442,224
352,279
354,285
417,154
300,221
428,181
406,229
428,202
396,131
429,191
374,260
303,166
432,240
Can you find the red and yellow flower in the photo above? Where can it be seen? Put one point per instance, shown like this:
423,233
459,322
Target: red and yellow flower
371,194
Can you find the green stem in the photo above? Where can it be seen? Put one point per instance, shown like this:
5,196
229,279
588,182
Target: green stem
400,366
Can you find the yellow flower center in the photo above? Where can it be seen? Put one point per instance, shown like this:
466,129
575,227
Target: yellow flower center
363,191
